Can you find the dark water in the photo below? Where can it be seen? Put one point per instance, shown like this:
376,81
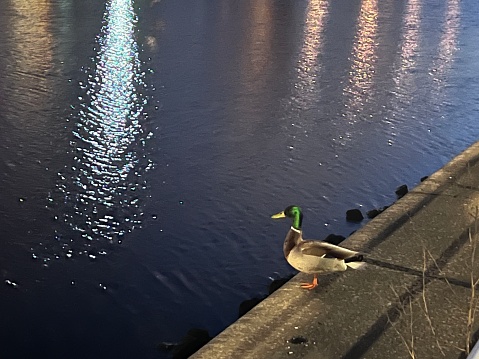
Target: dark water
144,144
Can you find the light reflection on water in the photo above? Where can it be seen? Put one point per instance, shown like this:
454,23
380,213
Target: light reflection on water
253,117
32,44
259,42
306,85
309,64
103,189
404,77
448,44
359,88
408,53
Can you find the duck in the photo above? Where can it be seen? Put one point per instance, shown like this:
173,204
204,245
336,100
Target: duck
314,256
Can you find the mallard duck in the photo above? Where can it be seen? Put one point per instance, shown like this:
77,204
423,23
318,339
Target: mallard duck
314,257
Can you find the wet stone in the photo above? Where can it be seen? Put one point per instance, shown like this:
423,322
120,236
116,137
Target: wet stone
401,191
372,213
354,215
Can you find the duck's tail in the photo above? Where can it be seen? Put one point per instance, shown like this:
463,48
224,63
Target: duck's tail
355,262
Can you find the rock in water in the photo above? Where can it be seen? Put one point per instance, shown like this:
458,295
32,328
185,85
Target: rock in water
401,191
372,213
354,215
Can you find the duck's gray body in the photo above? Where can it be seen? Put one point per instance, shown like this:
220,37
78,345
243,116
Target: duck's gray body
314,257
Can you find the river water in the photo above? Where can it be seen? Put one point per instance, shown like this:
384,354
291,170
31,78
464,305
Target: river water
145,144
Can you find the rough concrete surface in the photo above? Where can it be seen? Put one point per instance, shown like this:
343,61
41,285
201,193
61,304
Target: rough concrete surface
412,300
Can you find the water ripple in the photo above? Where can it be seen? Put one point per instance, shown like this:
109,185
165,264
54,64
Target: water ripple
102,188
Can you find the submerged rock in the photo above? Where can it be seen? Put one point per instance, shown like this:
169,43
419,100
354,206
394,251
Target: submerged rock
373,213
194,339
248,304
354,215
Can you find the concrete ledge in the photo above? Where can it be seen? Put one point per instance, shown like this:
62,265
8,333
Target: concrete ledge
410,246
403,209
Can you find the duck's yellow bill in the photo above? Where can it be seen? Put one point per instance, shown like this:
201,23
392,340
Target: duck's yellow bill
279,215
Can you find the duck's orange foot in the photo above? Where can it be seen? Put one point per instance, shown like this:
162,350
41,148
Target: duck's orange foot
312,285
308,285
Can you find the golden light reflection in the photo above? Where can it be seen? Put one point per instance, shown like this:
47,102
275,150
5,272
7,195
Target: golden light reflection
363,61
33,39
32,54
309,64
256,58
257,46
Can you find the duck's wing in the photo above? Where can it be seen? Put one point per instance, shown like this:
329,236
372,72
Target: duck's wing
322,249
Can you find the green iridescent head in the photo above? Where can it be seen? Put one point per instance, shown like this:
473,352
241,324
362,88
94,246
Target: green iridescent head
293,212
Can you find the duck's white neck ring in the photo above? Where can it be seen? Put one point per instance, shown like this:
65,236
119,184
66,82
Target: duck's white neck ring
296,230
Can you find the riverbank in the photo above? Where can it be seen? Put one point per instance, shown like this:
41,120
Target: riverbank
413,299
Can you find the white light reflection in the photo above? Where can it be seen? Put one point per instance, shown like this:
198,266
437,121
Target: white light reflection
404,77
363,62
409,48
101,192
448,43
